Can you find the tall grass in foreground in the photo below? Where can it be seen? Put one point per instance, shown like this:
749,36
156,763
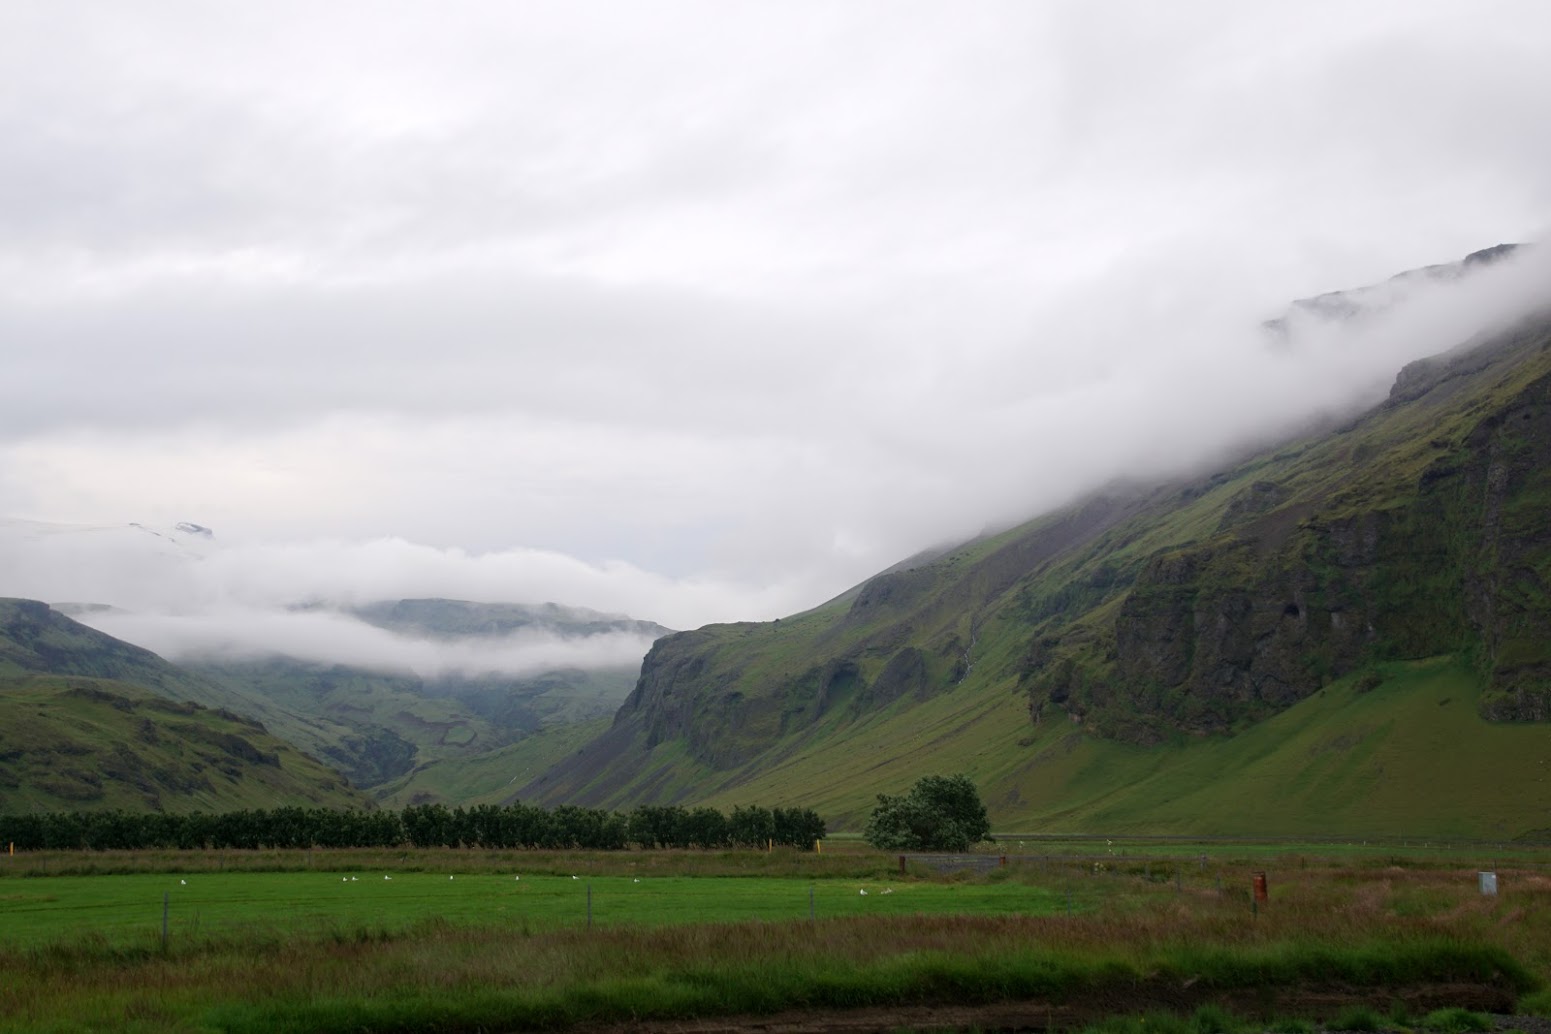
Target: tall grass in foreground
442,979
1369,927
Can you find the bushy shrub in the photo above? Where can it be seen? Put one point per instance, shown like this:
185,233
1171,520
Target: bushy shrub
940,813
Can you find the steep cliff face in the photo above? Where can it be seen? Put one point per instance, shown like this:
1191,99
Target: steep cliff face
1214,635
1505,576
1408,548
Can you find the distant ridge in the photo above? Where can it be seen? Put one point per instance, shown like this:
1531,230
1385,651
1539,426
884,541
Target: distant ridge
1363,302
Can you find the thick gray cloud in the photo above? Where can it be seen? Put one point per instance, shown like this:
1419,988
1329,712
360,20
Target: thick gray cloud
705,310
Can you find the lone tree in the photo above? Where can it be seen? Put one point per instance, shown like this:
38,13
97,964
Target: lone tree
940,813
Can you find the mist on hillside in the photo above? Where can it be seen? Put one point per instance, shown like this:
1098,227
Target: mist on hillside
704,317
1176,392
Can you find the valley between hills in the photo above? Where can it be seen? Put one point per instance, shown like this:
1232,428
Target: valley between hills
1347,633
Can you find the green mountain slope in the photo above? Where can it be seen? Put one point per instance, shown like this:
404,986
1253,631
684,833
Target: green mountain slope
35,638
1173,619
1408,756
461,739
489,777
89,721
378,726
382,728
74,743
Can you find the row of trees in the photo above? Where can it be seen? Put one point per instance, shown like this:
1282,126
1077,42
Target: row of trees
939,813
424,825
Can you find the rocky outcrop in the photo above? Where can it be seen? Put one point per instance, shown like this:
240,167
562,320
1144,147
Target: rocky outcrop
904,676
665,695
1505,586
1259,498
1215,634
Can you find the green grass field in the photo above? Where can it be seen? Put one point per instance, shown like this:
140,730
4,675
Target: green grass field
126,910
274,941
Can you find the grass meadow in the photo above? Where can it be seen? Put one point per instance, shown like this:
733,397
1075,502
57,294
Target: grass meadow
125,911
277,941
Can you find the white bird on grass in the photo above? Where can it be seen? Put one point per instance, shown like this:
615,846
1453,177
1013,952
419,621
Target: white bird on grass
449,877
387,877
864,892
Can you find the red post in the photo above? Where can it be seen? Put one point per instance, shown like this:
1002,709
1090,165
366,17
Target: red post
1261,893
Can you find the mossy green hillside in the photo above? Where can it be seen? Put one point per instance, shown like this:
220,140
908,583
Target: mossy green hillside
489,777
36,639
77,743
377,727
1410,756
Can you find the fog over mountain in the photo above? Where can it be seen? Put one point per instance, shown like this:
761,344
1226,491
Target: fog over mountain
696,312
179,592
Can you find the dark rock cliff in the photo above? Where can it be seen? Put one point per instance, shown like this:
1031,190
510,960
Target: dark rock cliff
1297,589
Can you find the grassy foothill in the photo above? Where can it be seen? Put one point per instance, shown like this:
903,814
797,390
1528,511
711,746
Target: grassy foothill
314,950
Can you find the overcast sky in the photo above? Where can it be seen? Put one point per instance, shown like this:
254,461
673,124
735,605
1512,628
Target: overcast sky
699,311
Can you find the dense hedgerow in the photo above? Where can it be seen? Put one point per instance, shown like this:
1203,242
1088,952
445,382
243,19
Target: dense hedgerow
423,825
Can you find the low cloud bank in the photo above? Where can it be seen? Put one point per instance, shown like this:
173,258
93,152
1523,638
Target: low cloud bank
337,639
145,570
